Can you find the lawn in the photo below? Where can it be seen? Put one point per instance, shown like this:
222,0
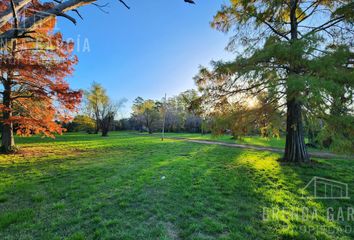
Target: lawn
248,140
126,186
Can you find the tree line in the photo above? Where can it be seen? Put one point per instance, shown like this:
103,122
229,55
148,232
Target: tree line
294,61
190,112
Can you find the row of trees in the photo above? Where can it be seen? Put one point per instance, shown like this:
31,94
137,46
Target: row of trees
175,114
298,54
191,112
187,112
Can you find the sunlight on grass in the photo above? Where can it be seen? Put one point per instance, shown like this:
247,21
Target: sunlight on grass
284,209
137,187
248,140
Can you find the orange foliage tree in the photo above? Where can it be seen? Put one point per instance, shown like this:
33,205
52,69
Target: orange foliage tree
36,98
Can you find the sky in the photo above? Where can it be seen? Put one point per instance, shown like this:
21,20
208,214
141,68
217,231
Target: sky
154,48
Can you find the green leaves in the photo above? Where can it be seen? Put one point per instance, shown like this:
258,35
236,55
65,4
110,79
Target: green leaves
347,11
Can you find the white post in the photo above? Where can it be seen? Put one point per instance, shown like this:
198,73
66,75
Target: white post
164,118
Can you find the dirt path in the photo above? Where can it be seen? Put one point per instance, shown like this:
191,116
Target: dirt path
254,147
259,148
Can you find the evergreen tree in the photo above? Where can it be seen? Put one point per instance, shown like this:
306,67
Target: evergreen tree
284,45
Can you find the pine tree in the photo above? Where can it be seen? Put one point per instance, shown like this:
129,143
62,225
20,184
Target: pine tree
281,44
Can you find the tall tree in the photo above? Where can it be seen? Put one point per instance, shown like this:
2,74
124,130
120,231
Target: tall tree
34,92
97,101
108,113
280,44
101,108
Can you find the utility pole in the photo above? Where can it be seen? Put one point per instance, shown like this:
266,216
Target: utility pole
164,118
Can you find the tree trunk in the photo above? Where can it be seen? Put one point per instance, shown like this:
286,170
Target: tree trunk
106,124
7,139
104,133
295,148
97,128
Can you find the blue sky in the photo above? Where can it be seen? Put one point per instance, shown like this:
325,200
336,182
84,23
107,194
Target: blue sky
154,48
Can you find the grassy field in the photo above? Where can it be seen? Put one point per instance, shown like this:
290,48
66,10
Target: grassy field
248,140
82,186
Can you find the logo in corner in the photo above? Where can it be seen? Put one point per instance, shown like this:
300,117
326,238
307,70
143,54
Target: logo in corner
323,188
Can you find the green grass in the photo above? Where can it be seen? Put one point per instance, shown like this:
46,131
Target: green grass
248,140
82,186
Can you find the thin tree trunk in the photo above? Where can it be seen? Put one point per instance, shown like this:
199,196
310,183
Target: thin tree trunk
97,128
7,139
97,116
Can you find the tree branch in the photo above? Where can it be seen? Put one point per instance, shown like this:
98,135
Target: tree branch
6,16
14,13
33,22
124,4
276,31
326,25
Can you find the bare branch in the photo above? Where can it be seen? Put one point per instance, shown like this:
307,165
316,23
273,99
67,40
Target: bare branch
8,14
124,4
78,13
326,25
73,20
283,35
14,13
33,22
101,7
314,5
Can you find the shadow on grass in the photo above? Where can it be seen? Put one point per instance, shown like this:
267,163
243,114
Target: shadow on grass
141,188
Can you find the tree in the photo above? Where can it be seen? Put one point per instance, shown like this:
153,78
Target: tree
97,101
108,113
35,95
101,108
147,111
282,43
256,116
84,123
182,112
268,116
137,117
